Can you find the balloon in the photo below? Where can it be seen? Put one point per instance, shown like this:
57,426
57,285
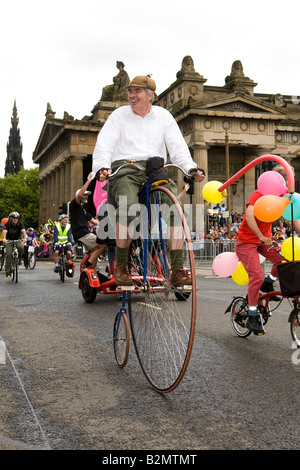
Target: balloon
296,207
3,221
287,248
225,264
211,192
271,182
270,208
240,275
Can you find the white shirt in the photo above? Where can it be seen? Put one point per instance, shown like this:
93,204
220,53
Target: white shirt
126,135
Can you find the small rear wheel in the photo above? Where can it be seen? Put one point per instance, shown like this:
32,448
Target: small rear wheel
295,327
88,292
238,317
121,339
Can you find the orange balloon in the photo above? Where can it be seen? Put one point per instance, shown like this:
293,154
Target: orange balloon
270,208
3,221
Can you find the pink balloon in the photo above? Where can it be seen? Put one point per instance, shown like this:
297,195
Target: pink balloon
273,183
225,264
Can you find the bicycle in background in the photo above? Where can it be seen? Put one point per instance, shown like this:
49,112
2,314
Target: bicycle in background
65,268
239,314
14,260
31,258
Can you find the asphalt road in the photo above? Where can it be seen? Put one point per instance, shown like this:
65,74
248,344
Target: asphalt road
61,389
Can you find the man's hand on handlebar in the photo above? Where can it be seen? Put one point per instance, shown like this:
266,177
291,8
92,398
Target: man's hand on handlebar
198,174
103,174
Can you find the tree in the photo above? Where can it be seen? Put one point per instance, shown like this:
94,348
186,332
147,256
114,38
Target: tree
21,192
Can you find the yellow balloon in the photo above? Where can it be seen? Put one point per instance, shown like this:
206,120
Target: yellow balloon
287,248
270,208
240,275
211,193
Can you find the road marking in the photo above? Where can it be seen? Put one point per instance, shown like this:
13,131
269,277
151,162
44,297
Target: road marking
2,353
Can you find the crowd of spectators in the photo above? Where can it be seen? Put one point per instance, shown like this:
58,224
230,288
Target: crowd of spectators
223,225
220,228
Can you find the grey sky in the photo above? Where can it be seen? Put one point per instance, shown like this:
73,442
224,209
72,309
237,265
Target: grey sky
65,51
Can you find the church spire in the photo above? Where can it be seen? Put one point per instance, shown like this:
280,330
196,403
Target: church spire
14,160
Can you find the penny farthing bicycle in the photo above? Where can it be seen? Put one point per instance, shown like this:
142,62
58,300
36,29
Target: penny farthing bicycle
162,316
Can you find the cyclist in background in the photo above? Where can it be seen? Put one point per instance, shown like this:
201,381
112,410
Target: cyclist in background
62,234
30,241
80,220
13,230
139,131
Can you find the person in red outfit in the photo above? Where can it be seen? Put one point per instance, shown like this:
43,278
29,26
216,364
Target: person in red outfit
254,238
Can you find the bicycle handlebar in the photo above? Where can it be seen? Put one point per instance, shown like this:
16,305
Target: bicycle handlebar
134,164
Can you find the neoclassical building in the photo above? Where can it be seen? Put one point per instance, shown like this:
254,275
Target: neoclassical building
215,121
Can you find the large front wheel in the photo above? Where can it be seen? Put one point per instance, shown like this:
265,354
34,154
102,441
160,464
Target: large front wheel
163,327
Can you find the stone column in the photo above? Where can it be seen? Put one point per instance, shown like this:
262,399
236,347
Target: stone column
201,158
52,199
62,183
68,194
42,208
76,177
48,204
57,200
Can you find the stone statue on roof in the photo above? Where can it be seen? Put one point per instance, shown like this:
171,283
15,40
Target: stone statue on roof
187,68
237,81
117,91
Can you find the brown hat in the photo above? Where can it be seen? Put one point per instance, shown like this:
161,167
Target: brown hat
143,81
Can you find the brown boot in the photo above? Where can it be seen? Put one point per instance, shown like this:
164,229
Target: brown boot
180,278
122,276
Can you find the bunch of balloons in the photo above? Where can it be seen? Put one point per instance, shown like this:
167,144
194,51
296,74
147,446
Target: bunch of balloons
274,203
271,205
227,264
275,200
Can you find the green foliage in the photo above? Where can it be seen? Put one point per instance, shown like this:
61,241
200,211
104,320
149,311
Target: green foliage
21,193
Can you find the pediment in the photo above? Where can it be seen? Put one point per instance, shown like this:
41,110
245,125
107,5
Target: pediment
50,131
241,104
